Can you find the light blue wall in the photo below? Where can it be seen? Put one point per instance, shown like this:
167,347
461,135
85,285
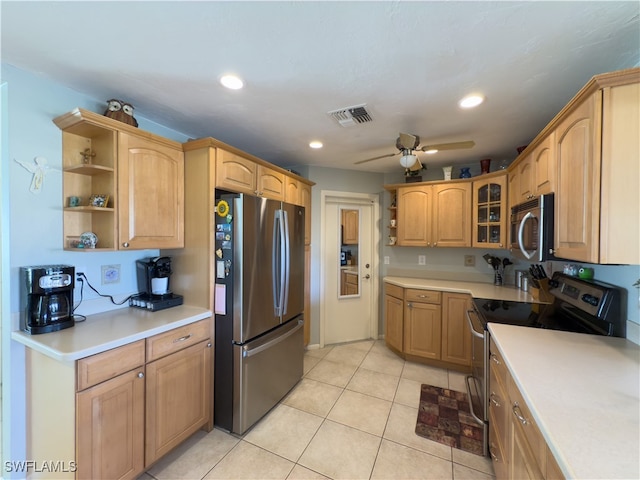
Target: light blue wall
35,221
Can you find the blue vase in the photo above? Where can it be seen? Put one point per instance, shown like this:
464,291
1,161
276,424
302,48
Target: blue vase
465,173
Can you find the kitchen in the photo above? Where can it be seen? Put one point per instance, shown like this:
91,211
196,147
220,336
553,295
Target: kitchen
31,109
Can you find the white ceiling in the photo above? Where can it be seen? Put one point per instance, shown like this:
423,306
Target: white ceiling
410,62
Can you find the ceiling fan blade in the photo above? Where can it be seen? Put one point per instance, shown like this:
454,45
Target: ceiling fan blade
406,141
449,146
377,158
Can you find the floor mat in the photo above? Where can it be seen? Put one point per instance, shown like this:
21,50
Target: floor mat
444,417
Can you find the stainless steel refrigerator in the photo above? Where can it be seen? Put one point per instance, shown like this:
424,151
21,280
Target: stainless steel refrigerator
259,300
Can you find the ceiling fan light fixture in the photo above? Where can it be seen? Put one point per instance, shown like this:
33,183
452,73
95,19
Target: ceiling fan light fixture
431,151
471,101
408,160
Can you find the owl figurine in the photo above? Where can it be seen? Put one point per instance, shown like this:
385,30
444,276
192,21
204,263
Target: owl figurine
121,111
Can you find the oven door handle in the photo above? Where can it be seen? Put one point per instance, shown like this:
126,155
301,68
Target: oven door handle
474,332
528,255
469,378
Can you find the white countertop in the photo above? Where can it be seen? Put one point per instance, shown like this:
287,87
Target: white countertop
476,289
108,330
583,392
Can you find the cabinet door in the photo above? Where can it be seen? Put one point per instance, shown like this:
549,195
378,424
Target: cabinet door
414,216
456,337
544,166
452,215
235,173
577,198
150,194
110,428
178,398
422,330
292,191
522,462
270,183
490,213
525,180
393,313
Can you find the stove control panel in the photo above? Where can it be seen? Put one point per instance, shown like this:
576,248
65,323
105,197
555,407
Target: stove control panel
590,299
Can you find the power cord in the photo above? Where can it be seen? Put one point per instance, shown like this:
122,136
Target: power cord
82,278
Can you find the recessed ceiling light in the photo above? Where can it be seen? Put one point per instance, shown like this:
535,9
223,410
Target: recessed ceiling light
431,151
232,82
471,101
315,144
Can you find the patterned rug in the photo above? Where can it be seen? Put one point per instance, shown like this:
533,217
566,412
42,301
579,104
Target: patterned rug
444,417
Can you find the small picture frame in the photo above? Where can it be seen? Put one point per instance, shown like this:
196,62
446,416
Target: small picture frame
98,200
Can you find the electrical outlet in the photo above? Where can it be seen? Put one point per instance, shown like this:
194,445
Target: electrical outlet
386,259
110,274
422,260
469,260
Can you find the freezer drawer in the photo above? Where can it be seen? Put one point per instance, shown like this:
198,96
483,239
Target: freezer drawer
264,372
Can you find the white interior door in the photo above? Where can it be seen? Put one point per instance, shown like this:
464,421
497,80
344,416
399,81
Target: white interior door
351,314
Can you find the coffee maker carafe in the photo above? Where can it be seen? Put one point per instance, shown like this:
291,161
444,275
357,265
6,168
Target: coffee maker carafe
46,298
154,274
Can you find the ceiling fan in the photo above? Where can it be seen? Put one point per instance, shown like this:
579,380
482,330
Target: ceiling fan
407,144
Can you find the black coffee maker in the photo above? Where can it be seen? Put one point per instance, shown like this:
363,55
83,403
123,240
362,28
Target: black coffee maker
154,274
46,298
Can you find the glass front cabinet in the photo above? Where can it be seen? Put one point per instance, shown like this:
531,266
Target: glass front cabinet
490,214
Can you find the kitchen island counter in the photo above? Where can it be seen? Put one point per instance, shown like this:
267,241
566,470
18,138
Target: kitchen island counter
475,289
107,330
584,394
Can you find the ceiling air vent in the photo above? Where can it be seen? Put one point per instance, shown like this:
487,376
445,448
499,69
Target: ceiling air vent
350,116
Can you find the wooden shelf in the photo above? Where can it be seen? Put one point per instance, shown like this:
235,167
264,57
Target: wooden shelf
97,249
88,169
89,209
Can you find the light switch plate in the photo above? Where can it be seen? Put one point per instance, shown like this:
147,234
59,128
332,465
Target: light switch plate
469,260
422,259
386,259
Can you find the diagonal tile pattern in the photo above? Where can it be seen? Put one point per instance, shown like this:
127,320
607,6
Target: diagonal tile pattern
352,416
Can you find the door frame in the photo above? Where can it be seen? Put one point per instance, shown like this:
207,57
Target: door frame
355,200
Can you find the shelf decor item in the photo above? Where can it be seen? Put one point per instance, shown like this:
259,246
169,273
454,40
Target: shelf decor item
121,111
465,173
99,200
447,172
485,165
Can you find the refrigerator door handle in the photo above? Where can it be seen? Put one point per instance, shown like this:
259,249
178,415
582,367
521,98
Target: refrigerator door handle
286,263
278,259
249,352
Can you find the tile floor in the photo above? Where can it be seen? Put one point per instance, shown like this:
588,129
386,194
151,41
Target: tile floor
352,416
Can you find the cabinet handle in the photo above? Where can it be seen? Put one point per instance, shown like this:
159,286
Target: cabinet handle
140,375
495,399
435,244
125,244
209,345
410,305
182,339
493,455
518,413
495,359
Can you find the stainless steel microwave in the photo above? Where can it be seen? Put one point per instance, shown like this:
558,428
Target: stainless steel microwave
531,233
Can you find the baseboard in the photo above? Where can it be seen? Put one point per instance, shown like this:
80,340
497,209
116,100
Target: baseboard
314,346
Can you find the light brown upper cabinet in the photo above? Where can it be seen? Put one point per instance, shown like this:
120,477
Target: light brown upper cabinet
243,175
414,215
140,177
535,175
490,213
597,196
151,194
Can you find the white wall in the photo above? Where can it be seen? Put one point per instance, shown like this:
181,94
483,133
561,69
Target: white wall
34,234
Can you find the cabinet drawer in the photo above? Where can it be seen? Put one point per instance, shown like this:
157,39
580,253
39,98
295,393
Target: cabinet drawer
103,366
424,296
393,290
522,416
174,340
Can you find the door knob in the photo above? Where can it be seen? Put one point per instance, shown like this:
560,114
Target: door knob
367,276
366,265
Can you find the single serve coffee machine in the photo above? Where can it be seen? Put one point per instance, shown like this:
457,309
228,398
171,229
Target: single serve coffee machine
154,274
46,298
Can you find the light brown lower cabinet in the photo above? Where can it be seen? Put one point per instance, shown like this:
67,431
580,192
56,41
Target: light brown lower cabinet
111,415
428,325
516,445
